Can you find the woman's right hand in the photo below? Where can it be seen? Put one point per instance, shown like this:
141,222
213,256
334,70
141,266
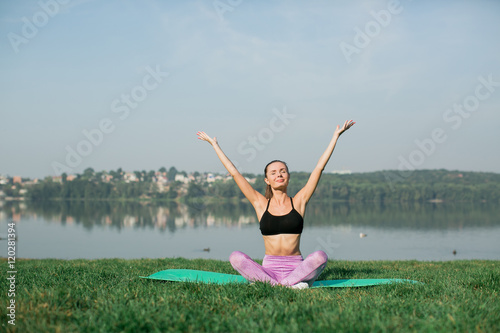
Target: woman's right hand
204,136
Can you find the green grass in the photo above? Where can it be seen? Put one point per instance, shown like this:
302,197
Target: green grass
108,296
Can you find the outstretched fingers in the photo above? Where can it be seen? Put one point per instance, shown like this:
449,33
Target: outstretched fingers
204,136
348,124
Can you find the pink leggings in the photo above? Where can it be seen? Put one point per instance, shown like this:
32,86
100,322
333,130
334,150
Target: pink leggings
284,270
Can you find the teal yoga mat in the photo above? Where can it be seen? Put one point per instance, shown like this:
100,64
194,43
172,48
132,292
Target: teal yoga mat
190,275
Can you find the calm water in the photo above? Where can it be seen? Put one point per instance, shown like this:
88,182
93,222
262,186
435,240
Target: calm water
69,230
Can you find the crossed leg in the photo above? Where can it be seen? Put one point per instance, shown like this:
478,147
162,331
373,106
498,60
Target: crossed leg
307,270
251,270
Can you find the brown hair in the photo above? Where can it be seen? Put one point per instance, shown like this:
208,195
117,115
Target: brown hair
269,192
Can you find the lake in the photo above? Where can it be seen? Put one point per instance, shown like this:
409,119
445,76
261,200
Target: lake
91,230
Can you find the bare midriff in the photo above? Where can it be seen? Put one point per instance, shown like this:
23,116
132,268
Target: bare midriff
282,245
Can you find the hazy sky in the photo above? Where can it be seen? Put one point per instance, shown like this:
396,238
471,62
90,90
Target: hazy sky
109,84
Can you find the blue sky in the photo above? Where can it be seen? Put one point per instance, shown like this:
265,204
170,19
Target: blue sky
269,79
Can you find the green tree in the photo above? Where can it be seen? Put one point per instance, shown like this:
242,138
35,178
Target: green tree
195,191
172,172
150,175
88,174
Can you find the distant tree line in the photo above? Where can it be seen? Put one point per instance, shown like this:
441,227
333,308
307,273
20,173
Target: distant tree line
380,186
417,186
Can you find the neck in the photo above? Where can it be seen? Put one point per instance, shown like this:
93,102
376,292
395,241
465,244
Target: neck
279,197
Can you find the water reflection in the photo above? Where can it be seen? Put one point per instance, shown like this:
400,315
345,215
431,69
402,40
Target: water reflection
105,229
173,216
409,216
166,216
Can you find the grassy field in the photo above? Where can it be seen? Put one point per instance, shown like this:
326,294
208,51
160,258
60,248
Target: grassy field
108,296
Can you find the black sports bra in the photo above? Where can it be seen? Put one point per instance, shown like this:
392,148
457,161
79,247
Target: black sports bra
291,223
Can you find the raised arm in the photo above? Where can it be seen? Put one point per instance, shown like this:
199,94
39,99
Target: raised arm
250,193
303,196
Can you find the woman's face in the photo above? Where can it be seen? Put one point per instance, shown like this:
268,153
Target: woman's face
277,175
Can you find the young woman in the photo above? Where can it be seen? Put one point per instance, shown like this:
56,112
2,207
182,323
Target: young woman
281,221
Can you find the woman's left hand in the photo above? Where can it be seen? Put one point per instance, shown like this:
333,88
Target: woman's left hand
348,124
205,137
